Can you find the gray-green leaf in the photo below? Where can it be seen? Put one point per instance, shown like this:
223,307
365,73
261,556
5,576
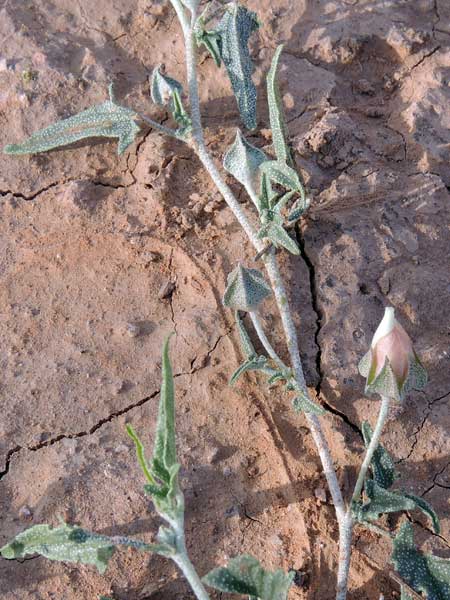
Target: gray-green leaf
164,451
235,29
162,88
282,174
246,344
277,121
64,543
381,501
276,233
382,465
254,363
108,120
425,573
246,289
302,403
245,575
243,160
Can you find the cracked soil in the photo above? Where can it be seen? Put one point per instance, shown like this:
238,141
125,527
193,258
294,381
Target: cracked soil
101,257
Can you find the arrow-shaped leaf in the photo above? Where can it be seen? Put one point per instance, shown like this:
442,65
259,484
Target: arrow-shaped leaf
64,543
381,501
108,120
246,289
425,573
302,403
245,575
276,233
234,30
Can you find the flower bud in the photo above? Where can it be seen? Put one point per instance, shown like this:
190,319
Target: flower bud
391,365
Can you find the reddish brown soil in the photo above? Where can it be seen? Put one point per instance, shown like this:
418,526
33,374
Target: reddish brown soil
88,240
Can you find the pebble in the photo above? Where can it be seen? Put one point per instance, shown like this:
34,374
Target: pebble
166,290
25,514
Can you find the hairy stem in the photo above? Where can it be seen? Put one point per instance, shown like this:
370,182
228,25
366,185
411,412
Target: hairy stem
265,341
346,526
384,411
181,559
269,260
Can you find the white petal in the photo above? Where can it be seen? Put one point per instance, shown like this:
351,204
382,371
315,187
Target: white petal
386,325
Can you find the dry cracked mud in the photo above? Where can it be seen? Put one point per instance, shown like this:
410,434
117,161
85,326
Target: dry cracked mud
102,256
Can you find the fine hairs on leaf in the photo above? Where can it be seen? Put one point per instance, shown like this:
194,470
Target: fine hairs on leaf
108,120
391,367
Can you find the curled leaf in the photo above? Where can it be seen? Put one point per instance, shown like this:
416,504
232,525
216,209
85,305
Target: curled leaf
108,120
243,160
234,31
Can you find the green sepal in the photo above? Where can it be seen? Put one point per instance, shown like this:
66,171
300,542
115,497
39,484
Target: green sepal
245,575
234,31
302,403
382,465
64,543
108,120
386,382
156,491
275,232
382,501
246,289
209,39
277,121
424,573
266,195
243,160
159,471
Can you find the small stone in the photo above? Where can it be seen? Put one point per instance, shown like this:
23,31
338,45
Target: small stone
321,495
25,513
133,329
384,284
226,471
187,218
166,290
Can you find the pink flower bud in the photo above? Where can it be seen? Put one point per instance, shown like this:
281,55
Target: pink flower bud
391,366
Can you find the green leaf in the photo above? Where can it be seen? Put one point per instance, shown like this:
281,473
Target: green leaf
246,344
382,465
163,87
245,575
243,160
209,39
64,543
277,121
166,91
276,233
302,403
165,445
140,453
246,289
234,30
282,174
424,573
108,120
382,501
255,363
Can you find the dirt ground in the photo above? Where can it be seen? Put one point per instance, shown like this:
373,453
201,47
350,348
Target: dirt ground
90,244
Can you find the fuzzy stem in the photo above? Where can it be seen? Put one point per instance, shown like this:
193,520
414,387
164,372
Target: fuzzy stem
155,125
269,260
181,559
346,527
384,411
265,341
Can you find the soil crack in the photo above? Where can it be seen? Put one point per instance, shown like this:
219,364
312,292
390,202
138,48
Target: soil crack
319,316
